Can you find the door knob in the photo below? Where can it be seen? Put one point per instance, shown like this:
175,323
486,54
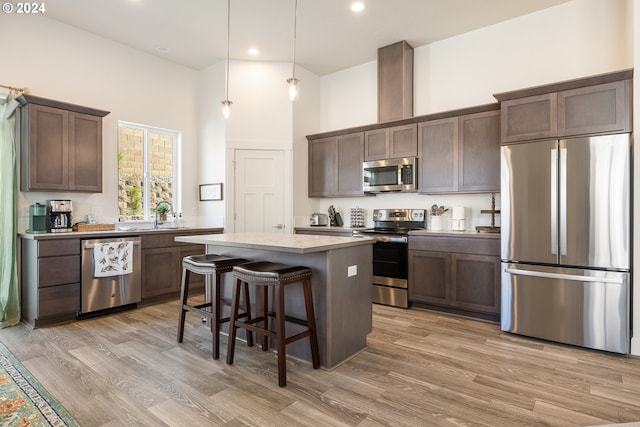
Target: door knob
278,226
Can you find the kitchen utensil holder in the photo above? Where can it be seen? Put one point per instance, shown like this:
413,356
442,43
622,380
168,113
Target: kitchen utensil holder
357,217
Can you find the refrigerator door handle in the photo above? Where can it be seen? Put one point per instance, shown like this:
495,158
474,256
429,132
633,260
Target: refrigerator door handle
515,272
554,201
563,201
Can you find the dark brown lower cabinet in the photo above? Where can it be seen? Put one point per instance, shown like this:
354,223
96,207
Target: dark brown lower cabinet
162,270
50,280
460,275
162,264
51,272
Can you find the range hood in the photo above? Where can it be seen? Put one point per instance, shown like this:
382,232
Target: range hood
395,82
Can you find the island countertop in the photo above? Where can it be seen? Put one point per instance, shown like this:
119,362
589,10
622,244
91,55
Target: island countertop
342,274
293,243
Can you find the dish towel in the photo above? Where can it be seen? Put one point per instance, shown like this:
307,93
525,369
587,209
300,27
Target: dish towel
112,259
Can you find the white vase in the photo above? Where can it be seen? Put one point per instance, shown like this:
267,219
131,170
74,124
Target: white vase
436,222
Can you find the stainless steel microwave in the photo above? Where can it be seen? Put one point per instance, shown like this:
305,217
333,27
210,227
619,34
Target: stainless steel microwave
380,176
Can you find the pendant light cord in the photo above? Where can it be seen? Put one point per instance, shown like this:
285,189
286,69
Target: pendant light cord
228,50
295,26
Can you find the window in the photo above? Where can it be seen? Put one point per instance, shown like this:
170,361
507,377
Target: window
147,170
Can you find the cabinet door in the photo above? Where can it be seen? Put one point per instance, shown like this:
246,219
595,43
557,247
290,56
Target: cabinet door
595,109
350,155
85,153
45,149
533,117
438,153
430,277
479,152
403,141
160,269
376,144
321,167
476,282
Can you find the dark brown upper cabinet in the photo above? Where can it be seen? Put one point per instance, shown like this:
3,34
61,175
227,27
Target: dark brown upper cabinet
391,143
61,146
594,105
335,165
460,154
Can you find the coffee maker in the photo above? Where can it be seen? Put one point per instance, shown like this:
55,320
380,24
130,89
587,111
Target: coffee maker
59,215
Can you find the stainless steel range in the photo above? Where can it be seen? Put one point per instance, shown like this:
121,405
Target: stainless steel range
390,252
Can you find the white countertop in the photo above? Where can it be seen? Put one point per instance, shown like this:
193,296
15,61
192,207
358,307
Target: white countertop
329,228
294,243
452,233
113,233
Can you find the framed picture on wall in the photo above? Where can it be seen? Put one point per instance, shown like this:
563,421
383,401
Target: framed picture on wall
211,191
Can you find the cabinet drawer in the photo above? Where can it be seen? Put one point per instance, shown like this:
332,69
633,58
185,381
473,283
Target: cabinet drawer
168,239
470,245
58,247
158,241
59,300
58,270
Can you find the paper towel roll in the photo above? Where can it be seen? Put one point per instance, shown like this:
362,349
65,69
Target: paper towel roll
458,212
458,224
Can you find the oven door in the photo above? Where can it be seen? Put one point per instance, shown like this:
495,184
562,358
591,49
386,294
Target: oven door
390,284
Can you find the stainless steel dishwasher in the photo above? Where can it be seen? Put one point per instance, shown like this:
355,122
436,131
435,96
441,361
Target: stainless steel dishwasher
115,289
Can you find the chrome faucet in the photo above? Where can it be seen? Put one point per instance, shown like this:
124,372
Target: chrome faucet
155,224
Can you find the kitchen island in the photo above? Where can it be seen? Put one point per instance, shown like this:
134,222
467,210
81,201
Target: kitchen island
342,276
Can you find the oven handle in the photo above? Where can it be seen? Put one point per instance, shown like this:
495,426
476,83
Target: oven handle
382,238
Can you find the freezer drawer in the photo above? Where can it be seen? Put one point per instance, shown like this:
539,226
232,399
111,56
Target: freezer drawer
587,308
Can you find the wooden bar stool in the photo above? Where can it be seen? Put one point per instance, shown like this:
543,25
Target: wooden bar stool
265,275
209,265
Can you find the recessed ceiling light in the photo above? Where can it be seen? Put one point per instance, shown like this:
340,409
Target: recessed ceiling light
253,51
357,6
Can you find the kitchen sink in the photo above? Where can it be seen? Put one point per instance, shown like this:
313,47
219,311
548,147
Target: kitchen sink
125,228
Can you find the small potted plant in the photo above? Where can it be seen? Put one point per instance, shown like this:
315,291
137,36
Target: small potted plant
162,211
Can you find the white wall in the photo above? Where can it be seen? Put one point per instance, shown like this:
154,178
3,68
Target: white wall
63,63
261,118
634,12
572,40
575,39
211,143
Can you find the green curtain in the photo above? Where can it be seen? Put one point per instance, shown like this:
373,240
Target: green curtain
9,289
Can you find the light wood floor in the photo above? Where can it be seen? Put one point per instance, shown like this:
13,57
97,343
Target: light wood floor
421,369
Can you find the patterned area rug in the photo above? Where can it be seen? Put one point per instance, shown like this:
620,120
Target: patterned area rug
23,400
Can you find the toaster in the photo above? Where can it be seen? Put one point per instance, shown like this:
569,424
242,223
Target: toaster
319,219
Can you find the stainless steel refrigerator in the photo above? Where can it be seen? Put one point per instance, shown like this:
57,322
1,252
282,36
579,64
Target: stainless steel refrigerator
566,240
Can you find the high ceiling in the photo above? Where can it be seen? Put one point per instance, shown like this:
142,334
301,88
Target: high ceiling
330,37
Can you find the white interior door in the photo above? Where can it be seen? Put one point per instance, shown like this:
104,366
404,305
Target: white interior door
259,195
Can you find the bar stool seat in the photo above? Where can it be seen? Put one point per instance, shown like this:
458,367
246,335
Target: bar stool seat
209,265
266,275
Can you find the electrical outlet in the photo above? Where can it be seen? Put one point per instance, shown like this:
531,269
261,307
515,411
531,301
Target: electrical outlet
352,270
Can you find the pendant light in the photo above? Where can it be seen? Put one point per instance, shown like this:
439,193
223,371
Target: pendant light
226,104
293,81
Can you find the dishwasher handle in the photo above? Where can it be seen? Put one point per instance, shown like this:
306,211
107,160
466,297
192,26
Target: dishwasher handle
90,244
